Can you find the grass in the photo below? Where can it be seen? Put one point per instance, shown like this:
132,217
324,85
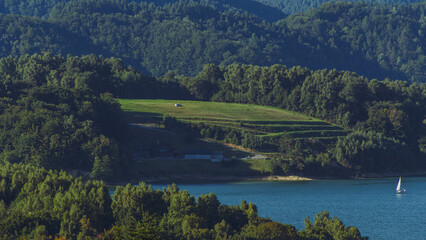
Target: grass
210,110
260,120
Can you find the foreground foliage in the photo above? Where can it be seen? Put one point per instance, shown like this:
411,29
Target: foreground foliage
38,204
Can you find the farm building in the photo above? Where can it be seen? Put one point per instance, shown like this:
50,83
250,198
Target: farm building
198,154
204,154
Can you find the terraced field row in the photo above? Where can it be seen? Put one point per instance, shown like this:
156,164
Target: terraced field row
296,129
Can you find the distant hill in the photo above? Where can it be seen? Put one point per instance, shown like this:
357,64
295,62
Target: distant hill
374,41
296,6
271,10
257,8
28,35
42,8
39,8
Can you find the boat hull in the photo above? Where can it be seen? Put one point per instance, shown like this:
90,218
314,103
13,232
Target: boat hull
400,191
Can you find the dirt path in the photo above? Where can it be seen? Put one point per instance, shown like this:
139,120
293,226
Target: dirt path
239,148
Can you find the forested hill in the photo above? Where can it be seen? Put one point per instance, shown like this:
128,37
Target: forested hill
257,8
296,6
28,35
55,112
264,9
41,8
38,8
374,41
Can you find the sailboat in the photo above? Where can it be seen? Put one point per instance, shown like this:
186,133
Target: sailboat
398,187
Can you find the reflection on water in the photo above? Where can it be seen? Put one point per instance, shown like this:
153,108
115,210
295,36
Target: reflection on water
399,196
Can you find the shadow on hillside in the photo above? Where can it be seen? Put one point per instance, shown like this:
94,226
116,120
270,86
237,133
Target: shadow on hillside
159,157
314,123
142,117
342,59
193,171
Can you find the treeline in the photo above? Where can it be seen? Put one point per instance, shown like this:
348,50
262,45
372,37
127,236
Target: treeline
295,6
387,115
89,72
372,40
40,204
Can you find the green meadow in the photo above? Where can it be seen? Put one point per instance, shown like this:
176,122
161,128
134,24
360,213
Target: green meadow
260,120
210,110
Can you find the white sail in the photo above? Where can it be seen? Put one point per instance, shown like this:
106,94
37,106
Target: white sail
398,187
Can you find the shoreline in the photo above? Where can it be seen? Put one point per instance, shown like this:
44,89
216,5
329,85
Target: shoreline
208,179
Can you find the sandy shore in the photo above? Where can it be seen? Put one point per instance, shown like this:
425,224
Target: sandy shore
285,178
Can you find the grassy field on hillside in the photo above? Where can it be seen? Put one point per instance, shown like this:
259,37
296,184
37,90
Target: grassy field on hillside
262,121
209,110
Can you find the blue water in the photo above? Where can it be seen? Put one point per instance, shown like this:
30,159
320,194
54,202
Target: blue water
370,205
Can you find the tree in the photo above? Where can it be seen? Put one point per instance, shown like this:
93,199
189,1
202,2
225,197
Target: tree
326,228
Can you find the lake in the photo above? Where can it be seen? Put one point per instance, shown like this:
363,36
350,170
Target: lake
371,205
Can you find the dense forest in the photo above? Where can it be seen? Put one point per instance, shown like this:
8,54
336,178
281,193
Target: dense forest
254,7
41,8
56,113
264,9
40,204
373,40
296,6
